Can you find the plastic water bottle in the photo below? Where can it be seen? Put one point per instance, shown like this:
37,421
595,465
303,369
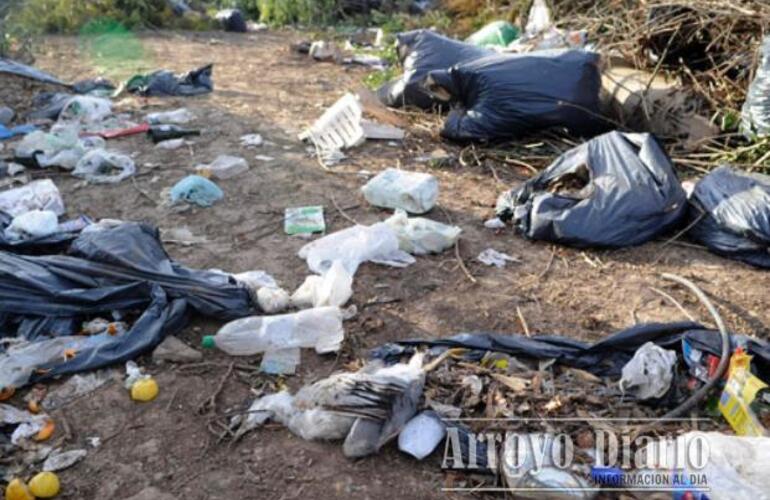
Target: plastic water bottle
319,328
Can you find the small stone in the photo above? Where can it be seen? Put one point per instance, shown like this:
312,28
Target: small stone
6,115
174,350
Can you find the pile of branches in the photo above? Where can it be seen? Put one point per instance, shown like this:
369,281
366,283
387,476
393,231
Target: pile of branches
711,45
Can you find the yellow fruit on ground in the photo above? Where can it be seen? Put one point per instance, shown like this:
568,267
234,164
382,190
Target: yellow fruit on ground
145,389
44,485
17,490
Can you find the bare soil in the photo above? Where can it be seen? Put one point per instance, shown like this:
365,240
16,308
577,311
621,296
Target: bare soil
261,87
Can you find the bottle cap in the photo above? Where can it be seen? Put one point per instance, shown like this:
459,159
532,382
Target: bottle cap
208,342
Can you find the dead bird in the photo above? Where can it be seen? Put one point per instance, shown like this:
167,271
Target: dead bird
368,407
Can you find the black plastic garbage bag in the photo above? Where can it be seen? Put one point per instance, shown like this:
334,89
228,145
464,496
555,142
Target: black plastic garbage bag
48,105
420,52
19,69
604,358
232,20
166,83
510,95
730,211
615,190
123,270
93,85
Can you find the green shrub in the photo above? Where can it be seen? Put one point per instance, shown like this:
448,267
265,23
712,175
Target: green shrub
308,12
69,16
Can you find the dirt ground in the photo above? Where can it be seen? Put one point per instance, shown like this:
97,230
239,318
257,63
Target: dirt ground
261,87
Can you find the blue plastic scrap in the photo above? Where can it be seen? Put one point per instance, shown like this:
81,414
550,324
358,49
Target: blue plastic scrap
196,190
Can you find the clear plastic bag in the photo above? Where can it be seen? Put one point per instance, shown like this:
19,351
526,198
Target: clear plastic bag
104,167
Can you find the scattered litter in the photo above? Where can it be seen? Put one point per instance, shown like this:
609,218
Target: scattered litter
420,236
44,485
264,158
755,116
272,299
280,361
174,350
37,195
96,87
512,95
166,83
649,373
19,69
104,167
85,110
142,386
730,211
181,236
643,101
615,190
33,224
62,147
421,435
333,288
196,190
76,386
339,127
7,133
735,465
17,489
255,280
353,246
60,460
224,167
494,34
741,393
165,132
176,117
325,51
414,192
492,257
385,397
124,269
494,223
251,140
304,220
171,144
421,52
318,328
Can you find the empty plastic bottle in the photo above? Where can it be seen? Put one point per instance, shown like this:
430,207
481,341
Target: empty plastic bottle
319,328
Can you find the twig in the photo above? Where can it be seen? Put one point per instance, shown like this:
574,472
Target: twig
142,192
674,301
550,263
462,264
342,212
210,403
523,321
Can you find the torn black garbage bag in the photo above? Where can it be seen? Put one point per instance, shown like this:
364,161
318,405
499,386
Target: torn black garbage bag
420,52
511,95
166,83
615,190
604,358
730,211
232,20
19,69
123,271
